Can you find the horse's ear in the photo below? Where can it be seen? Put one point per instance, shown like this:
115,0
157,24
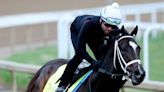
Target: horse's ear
122,28
134,32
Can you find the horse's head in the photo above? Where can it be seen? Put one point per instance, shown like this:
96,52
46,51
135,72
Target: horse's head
126,57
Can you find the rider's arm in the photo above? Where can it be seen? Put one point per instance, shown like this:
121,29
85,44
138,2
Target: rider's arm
82,41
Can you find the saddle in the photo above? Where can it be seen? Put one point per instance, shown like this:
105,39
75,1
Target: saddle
80,76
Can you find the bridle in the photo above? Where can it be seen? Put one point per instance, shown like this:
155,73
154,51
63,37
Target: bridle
122,62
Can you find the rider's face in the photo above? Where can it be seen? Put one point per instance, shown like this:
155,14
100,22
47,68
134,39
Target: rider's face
107,27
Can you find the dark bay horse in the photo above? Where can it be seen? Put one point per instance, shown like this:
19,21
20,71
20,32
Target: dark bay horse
121,63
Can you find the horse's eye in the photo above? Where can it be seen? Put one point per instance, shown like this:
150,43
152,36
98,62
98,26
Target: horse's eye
123,49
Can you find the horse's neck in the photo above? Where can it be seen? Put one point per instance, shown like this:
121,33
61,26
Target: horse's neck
102,83
108,59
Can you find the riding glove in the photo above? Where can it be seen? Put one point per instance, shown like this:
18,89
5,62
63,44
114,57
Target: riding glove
96,64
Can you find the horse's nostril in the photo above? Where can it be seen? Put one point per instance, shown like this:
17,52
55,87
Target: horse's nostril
137,73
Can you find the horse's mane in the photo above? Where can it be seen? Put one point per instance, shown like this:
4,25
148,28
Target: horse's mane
117,33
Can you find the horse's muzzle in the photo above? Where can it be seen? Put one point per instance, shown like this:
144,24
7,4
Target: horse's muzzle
138,75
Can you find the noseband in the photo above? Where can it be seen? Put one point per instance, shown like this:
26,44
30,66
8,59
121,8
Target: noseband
123,64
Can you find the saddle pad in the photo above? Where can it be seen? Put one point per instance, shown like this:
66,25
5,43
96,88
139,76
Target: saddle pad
51,84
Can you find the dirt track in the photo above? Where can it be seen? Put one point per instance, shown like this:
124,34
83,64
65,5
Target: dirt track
8,7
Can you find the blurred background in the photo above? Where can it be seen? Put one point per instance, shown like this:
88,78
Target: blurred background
33,32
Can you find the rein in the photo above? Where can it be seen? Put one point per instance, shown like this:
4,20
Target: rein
123,64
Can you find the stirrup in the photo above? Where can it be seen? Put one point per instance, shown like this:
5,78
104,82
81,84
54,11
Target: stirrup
60,89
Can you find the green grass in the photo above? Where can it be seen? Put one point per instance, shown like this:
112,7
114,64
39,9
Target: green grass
156,52
37,56
40,56
156,58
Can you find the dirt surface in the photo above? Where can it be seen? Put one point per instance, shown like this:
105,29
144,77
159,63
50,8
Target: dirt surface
8,7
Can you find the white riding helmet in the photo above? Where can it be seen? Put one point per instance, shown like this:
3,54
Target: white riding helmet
111,14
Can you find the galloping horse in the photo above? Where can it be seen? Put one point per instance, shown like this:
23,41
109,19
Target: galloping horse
121,63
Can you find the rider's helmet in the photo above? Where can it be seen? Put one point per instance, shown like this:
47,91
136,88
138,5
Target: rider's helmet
111,14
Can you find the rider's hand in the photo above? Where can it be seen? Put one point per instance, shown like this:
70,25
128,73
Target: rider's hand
96,64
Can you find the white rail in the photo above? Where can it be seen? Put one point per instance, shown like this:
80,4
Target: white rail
45,17
31,69
156,27
13,68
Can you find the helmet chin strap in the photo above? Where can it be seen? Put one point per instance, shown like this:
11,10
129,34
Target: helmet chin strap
121,60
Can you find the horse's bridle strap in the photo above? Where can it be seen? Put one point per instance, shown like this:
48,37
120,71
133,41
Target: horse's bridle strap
113,76
117,53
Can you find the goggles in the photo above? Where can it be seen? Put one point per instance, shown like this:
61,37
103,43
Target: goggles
112,21
109,25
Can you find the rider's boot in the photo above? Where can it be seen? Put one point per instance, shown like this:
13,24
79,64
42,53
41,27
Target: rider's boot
68,73
60,89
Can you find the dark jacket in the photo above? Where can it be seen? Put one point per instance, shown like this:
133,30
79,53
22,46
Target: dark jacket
87,29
